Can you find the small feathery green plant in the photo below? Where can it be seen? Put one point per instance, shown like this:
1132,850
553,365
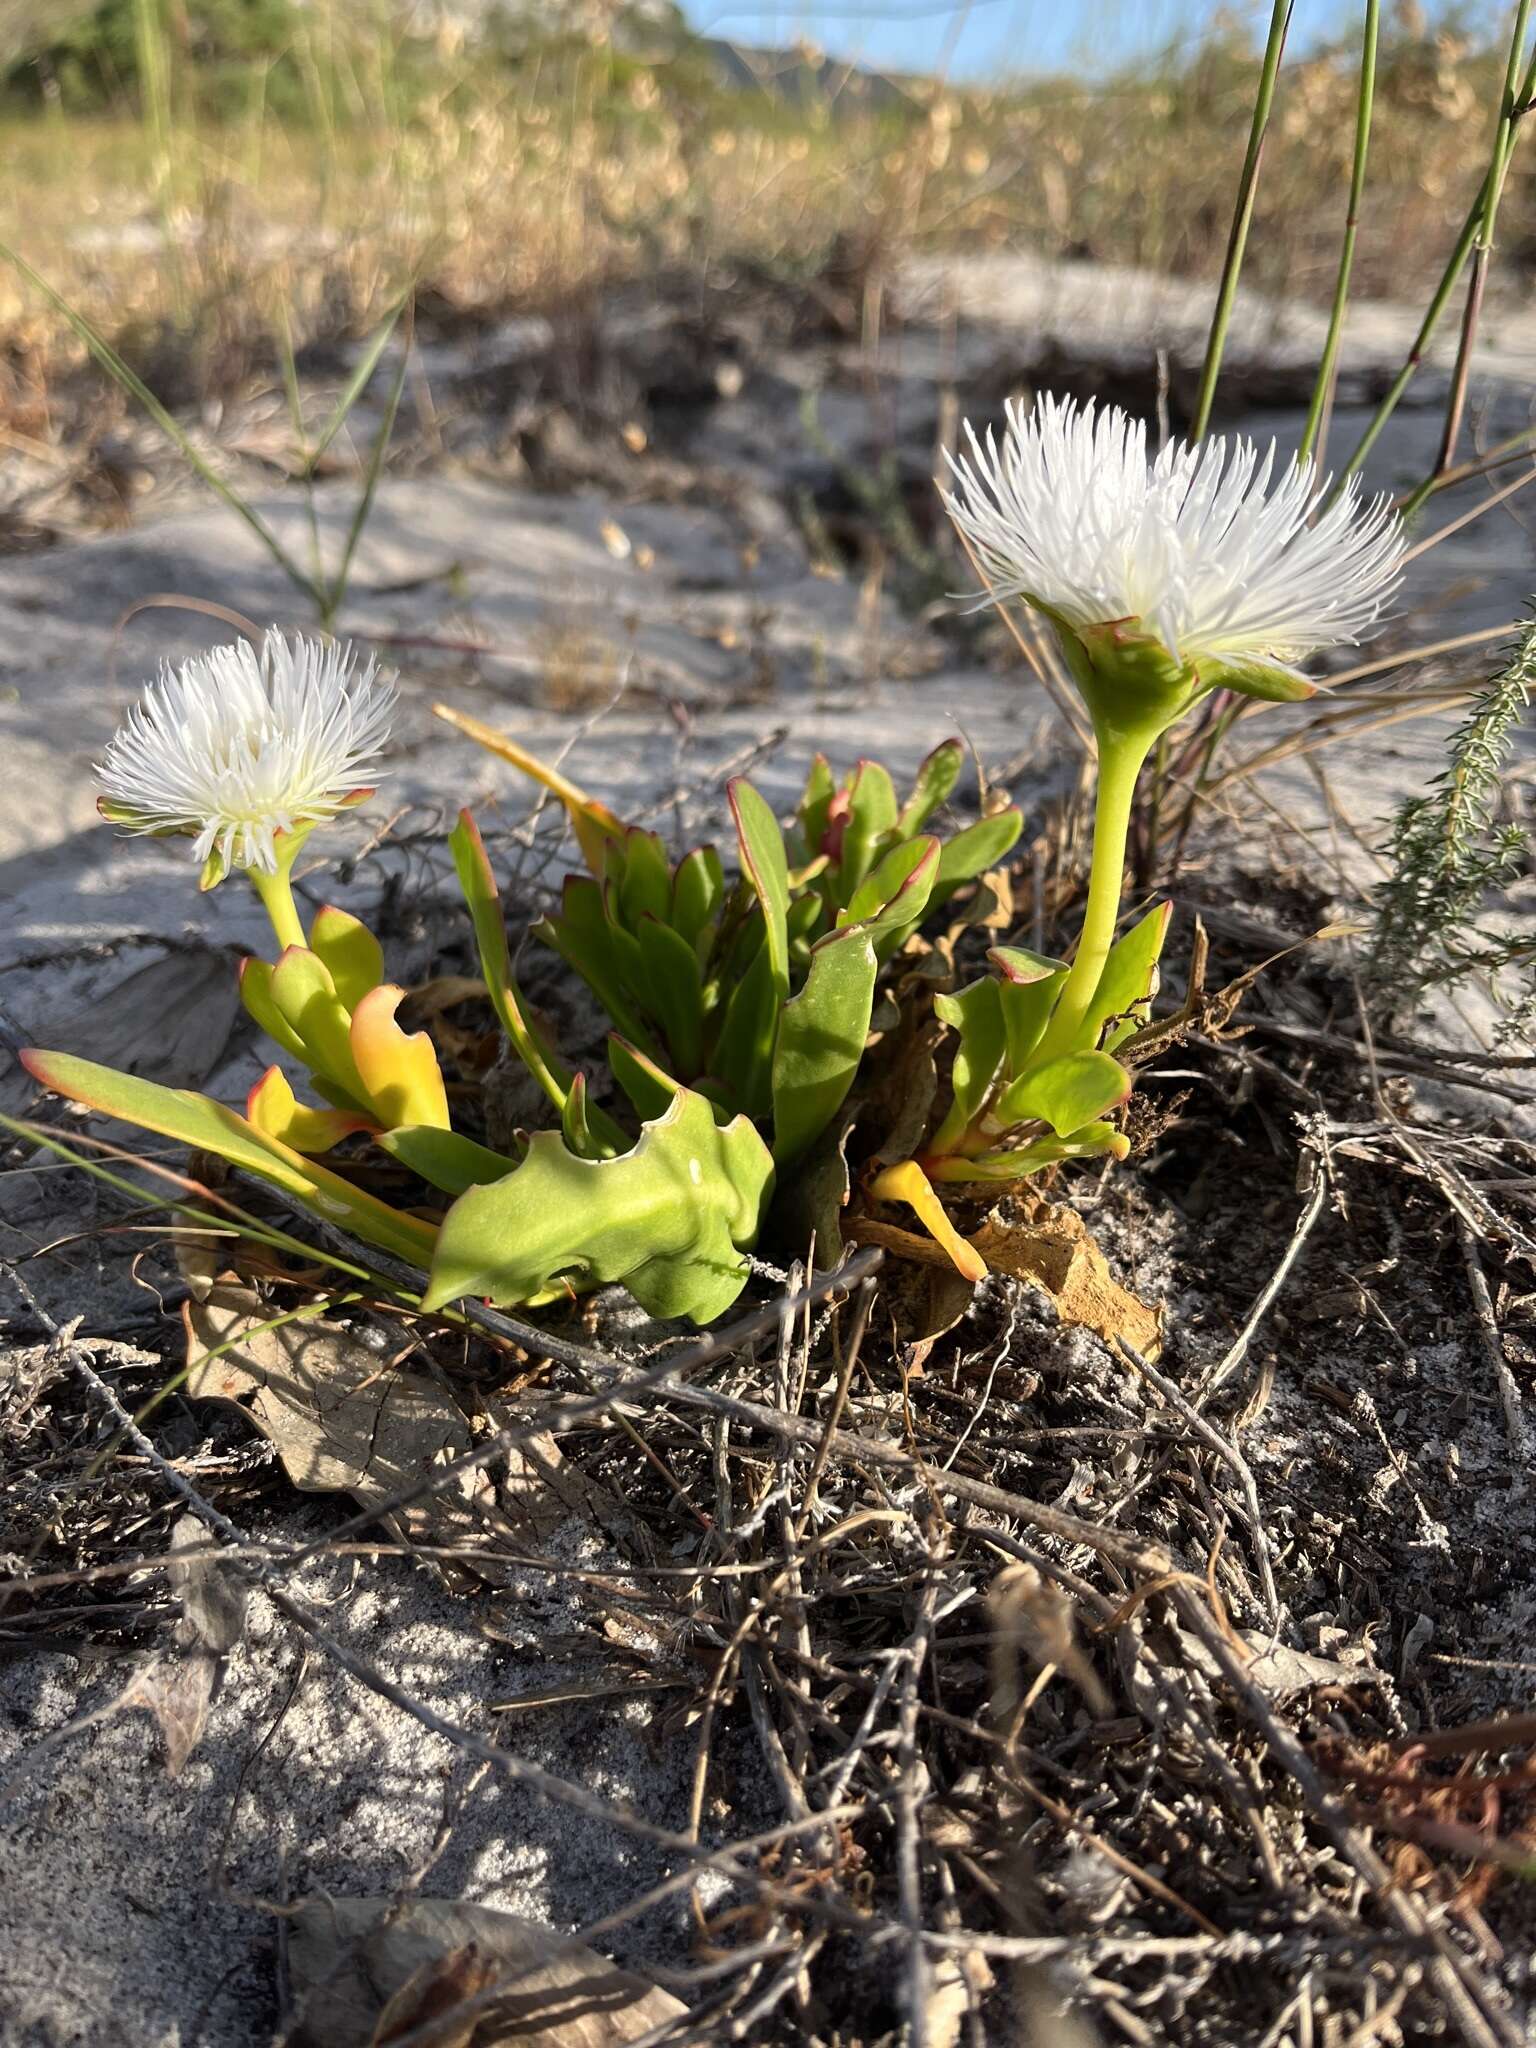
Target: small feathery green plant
1451,851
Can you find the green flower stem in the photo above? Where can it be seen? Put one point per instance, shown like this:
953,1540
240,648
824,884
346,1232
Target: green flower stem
1121,757
276,893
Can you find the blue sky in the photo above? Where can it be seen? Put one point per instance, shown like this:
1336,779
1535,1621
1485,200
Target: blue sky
980,38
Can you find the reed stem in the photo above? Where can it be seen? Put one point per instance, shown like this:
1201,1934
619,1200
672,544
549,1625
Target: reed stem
1242,218
1515,104
1314,435
1510,109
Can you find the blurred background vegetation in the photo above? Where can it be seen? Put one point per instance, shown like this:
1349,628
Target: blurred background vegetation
188,173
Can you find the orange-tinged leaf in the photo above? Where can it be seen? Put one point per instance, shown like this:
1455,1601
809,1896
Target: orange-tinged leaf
906,1182
398,1069
351,953
275,1111
591,821
209,1126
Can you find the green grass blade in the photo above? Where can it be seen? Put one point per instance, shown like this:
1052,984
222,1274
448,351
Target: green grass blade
1365,105
288,358
132,383
1513,109
337,591
1242,218
229,1220
359,380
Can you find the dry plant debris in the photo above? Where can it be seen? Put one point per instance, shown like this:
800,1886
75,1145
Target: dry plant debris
346,1416
1001,1626
371,1972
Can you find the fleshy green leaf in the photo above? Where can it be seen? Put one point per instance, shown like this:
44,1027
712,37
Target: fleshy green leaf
444,1159
576,1125
744,941
698,891
1091,1142
624,950
1030,985
484,901
1065,1093
977,848
351,953
675,994
1128,981
478,884
744,1053
805,914
307,1001
644,880
209,1127
975,1014
766,865
256,997
671,1218
650,1088
871,814
820,787
583,937
935,779
886,879
891,899
821,1039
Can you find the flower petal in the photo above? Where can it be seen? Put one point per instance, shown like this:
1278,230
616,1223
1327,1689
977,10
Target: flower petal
243,744
1219,552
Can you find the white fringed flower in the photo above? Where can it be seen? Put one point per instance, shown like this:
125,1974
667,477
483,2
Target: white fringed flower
244,743
1205,545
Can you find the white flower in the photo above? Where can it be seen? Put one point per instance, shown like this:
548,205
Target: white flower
243,743
1204,545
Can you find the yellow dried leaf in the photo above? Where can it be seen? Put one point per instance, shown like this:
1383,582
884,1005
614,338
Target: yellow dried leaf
1050,1247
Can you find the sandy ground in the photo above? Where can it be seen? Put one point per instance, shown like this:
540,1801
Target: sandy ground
133,1904
143,1908
1110,308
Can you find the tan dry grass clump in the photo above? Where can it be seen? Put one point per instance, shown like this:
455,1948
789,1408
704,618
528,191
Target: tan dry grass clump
506,184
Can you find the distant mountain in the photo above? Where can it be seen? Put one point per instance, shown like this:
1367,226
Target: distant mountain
799,75
803,76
